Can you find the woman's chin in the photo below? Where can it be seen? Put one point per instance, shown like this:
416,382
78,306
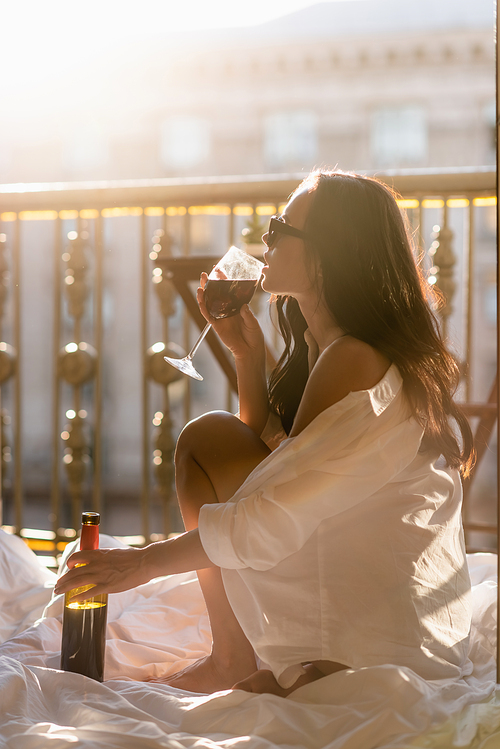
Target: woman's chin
268,286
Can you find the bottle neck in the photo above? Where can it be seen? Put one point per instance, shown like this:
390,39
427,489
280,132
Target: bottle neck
89,538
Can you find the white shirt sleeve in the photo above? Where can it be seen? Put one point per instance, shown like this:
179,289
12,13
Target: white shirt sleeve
343,457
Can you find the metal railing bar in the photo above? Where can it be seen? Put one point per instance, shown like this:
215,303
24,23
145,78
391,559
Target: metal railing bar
166,418
1,461
231,240
229,189
497,186
98,334
479,409
145,384
480,527
444,317
186,323
16,278
55,494
470,300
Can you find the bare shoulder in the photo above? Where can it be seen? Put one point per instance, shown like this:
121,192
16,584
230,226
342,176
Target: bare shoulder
347,365
354,361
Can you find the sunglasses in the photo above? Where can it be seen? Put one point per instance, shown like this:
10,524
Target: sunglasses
278,226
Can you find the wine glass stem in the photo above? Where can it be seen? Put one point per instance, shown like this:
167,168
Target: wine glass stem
200,339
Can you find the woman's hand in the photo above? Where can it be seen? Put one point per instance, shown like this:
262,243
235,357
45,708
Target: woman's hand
107,570
116,570
243,336
241,333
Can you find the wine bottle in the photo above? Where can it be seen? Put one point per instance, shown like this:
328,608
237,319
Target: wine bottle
84,623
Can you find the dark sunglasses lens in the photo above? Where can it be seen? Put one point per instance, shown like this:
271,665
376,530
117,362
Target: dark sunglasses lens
270,234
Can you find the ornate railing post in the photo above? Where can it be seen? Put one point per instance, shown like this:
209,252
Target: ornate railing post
160,372
7,365
444,261
76,365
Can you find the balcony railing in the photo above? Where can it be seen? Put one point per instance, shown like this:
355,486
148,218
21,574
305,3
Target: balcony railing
89,410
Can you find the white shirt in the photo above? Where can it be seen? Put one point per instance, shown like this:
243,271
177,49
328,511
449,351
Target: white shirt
346,544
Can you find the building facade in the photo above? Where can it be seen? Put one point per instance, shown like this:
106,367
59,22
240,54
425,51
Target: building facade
347,83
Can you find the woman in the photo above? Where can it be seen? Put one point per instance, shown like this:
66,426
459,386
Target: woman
342,547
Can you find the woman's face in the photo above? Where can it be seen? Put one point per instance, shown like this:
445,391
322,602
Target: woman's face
288,269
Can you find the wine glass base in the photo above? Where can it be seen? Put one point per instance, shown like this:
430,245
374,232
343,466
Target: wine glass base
185,366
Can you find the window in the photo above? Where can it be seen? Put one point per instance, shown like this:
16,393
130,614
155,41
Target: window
290,139
185,142
399,136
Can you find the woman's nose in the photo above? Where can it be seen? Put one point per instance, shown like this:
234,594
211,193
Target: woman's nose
269,239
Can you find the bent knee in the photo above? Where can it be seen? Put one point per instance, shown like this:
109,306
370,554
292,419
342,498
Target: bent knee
211,426
219,435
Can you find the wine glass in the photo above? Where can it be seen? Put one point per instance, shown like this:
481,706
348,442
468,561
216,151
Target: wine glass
231,284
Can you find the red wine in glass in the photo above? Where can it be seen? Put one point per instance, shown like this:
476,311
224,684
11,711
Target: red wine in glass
230,285
225,297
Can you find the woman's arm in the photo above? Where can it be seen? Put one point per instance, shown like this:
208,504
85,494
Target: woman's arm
252,382
243,336
116,570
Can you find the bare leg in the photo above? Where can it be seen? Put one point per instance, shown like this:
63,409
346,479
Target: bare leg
263,681
214,455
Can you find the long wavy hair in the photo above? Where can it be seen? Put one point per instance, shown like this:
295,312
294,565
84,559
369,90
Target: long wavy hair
375,291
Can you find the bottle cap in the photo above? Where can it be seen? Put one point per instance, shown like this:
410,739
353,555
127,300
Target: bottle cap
91,518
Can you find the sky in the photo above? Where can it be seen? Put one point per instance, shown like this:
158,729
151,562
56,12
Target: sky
49,44
40,39
199,14
96,17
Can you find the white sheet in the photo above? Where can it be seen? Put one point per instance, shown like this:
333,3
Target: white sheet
162,626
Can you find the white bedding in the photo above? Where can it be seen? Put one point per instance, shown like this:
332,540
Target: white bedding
162,626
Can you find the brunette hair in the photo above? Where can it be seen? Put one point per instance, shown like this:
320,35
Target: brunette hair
375,291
